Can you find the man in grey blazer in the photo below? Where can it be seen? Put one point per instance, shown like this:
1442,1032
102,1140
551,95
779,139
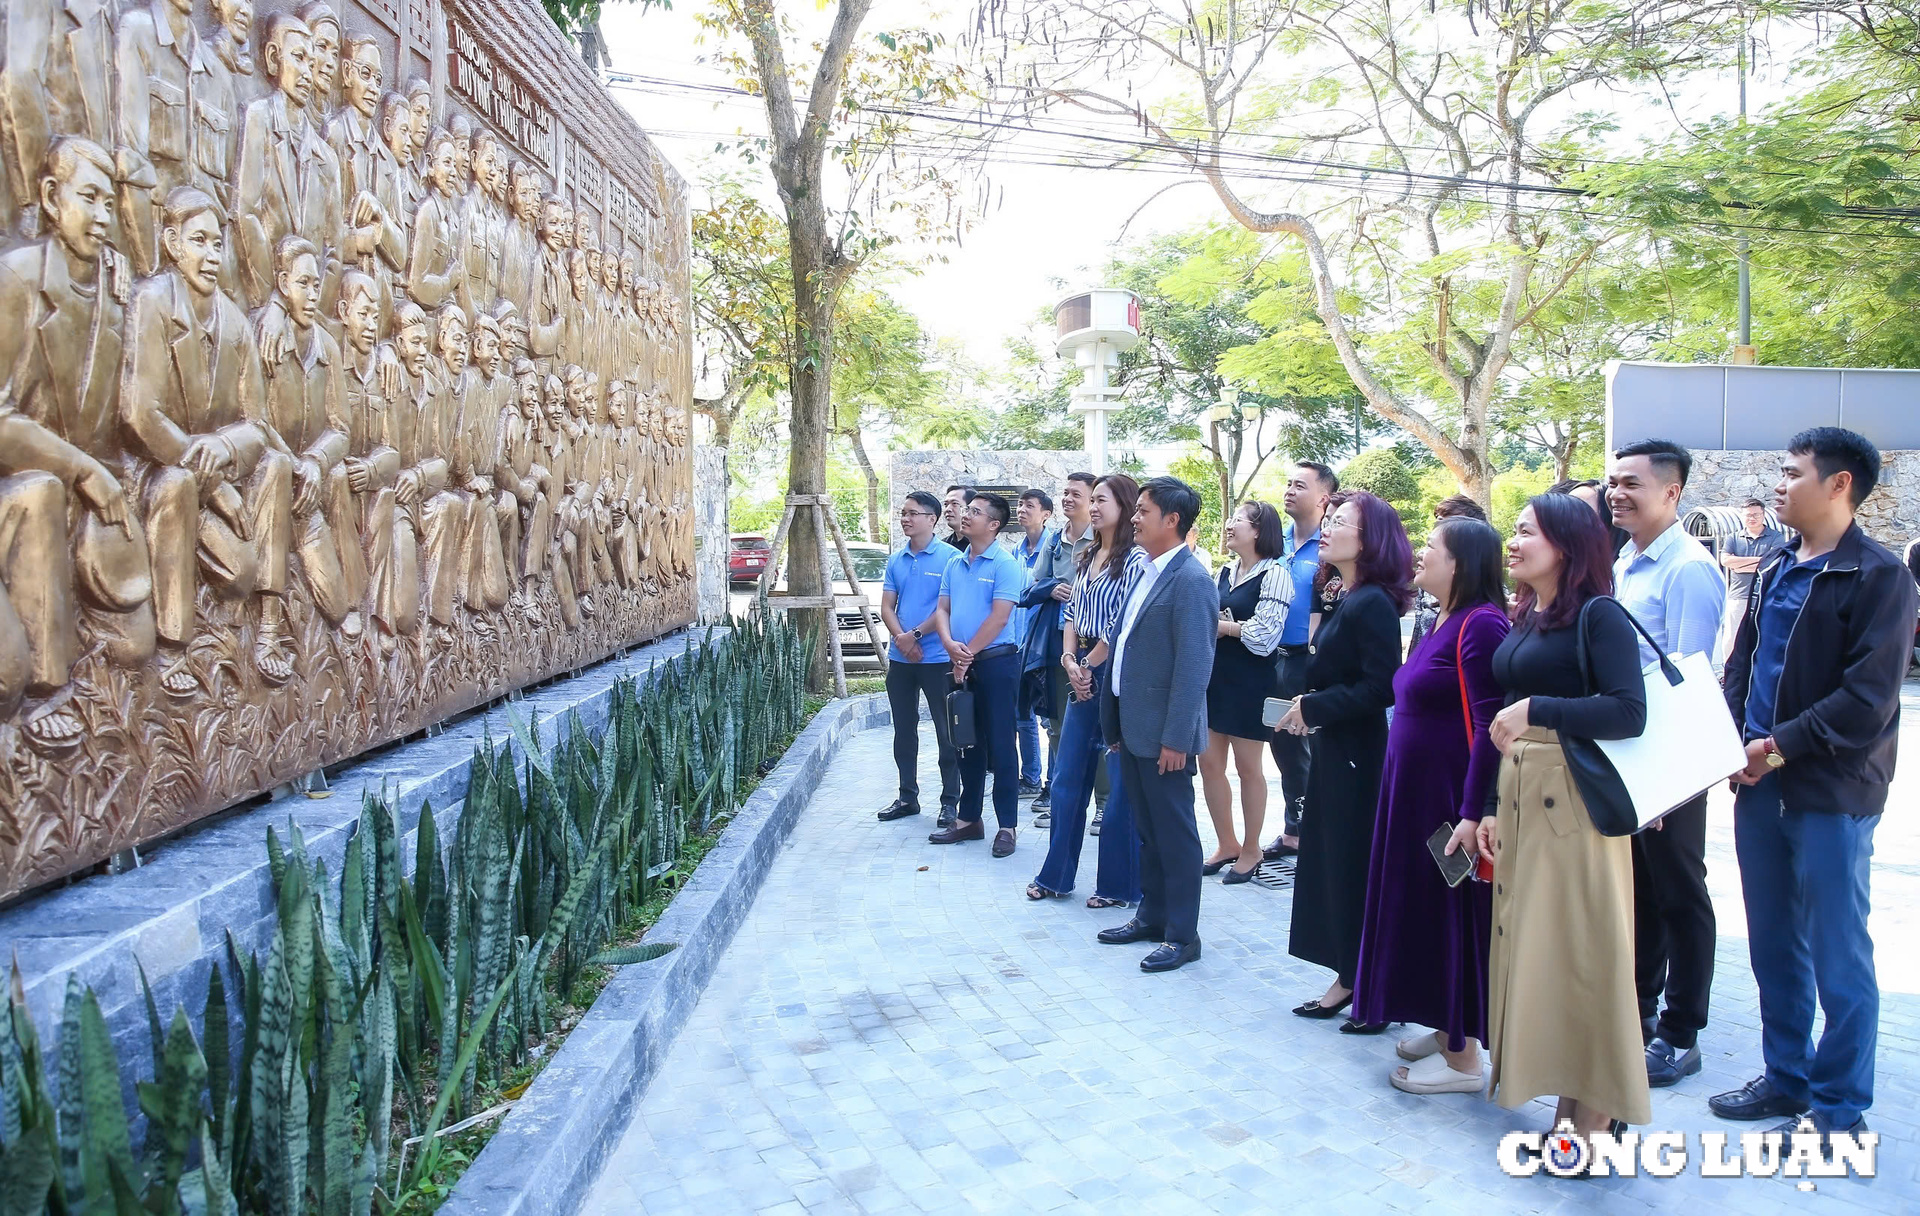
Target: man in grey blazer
1155,707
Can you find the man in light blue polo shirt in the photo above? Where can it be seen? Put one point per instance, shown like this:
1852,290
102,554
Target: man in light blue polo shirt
917,666
1309,485
1670,583
975,625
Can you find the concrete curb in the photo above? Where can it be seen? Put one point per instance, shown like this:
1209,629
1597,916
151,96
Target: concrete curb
552,1145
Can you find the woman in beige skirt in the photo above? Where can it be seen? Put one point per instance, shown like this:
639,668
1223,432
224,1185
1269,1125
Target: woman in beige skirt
1562,1013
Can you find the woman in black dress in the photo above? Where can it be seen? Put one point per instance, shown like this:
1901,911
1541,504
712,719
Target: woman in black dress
1349,687
1255,590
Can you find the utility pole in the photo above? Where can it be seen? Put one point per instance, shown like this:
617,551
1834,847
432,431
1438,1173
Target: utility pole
1743,351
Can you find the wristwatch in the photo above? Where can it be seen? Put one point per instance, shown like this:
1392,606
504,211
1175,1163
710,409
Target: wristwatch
917,635
1771,750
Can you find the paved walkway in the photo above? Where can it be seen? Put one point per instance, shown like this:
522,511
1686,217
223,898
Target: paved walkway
896,1029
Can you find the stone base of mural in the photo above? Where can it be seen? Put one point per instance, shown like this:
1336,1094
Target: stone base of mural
710,544
1891,514
1009,472
172,915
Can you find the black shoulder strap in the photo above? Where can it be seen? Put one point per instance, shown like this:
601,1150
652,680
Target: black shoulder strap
1667,668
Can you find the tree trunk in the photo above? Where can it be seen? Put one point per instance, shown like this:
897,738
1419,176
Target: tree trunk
875,532
807,428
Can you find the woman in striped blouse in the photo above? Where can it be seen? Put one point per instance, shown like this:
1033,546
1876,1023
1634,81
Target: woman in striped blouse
1108,570
1255,591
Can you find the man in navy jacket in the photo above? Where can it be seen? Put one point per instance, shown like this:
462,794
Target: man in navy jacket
1814,680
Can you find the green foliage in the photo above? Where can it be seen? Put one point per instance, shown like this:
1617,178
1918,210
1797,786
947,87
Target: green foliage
428,982
1511,490
1382,473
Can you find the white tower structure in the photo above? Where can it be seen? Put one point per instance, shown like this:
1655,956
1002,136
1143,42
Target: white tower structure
1094,327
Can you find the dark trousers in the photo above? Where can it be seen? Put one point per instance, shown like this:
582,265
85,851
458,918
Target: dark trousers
1803,875
1082,754
907,685
1673,926
994,682
1290,752
1169,844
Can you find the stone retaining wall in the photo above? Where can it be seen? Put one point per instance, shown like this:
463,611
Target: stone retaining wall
1891,514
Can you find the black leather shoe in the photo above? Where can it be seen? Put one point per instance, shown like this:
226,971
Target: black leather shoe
1757,1099
1171,956
1667,1063
948,816
899,809
1320,1013
1235,876
1132,931
1352,1027
1209,868
1822,1127
1277,850
966,829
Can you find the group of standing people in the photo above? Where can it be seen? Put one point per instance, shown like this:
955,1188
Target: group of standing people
1582,961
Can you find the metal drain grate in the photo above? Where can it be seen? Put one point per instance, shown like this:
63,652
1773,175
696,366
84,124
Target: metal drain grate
1275,875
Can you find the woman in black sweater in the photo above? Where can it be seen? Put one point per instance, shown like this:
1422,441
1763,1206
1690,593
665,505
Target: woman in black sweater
1349,687
1562,1013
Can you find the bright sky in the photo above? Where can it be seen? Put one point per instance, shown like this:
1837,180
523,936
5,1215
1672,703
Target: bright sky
1048,224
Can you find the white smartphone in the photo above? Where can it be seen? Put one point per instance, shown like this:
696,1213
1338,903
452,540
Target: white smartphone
1275,709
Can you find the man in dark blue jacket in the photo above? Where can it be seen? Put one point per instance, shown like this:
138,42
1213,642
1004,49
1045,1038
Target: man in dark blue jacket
1814,680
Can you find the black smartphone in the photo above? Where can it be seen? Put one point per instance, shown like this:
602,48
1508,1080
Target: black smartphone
1454,866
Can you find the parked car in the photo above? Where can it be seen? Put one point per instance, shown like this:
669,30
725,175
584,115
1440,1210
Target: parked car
870,568
747,556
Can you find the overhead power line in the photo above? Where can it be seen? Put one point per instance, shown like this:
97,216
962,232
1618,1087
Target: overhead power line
1066,145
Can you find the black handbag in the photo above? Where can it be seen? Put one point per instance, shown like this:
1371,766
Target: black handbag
1608,803
960,718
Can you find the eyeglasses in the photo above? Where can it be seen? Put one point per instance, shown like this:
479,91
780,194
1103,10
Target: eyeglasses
906,514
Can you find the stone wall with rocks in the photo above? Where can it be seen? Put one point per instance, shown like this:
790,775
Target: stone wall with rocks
1891,514
710,545
1008,471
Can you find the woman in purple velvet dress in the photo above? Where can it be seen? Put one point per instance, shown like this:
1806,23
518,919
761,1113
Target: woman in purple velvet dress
1423,945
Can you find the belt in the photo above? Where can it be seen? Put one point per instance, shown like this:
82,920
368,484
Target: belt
999,651
1290,651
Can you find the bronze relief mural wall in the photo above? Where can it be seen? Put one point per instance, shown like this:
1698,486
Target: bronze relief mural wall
344,385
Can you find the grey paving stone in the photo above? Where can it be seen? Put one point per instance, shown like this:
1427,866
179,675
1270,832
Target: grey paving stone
986,1055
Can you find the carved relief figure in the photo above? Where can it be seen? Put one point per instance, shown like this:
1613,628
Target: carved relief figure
304,416
217,107
420,101
481,223
526,533
430,264
324,24
215,498
485,392
55,82
162,71
551,290
445,515
520,242
557,456
289,181
58,441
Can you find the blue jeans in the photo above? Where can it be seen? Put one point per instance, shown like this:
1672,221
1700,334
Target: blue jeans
993,682
1804,878
1082,752
1031,766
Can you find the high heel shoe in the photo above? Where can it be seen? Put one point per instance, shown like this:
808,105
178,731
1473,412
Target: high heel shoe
1209,869
1235,875
1321,1013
